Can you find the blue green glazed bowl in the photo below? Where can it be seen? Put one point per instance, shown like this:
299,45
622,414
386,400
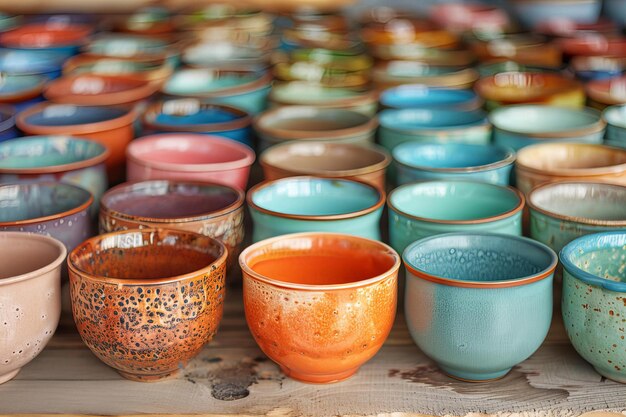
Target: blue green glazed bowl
419,96
478,303
440,125
615,117
563,211
417,161
311,204
31,62
21,91
419,210
594,300
522,125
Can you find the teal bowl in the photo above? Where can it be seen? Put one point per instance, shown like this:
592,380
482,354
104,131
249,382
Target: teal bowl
423,125
522,125
419,210
615,118
478,303
419,96
311,204
563,211
594,300
415,161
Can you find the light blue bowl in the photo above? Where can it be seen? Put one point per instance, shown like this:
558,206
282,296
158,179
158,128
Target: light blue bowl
533,12
615,117
310,204
423,125
478,303
522,125
31,62
593,303
425,209
21,91
419,96
417,161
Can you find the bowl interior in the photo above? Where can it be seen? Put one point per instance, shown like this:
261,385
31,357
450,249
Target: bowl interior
409,96
616,116
31,201
47,151
601,255
313,119
64,115
315,196
570,156
23,253
448,155
454,200
538,119
476,257
167,200
191,112
407,119
197,81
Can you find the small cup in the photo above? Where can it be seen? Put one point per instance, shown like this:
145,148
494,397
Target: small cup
319,304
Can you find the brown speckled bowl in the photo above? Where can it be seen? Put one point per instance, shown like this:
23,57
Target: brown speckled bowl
146,301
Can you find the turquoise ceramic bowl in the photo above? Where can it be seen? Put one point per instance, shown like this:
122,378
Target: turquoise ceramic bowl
419,96
522,125
594,300
478,303
563,211
419,210
310,204
423,125
417,161
615,118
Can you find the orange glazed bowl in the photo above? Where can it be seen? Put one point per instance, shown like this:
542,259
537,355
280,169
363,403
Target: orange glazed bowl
320,305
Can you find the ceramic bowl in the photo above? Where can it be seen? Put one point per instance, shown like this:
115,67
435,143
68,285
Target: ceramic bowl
319,304
55,158
460,17
424,125
189,157
146,301
530,88
593,44
310,204
99,90
425,209
418,96
609,92
519,126
302,123
590,68
212,210
31,288
532,12
247,90
21,91
394,73
30,62
7,122
109,126
615,118
139,69
148,20
193,116
301,93
416,161
478,303
617,10
327,160
64,39
552,162
563,211
525,49
593,304
54,209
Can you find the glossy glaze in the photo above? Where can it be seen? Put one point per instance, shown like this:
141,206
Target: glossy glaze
419,96
27,62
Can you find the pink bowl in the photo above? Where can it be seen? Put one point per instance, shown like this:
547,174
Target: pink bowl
189,157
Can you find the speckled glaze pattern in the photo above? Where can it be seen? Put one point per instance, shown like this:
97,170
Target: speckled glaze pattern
147,329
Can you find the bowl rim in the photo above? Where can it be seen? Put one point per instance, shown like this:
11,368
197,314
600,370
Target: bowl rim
120,188
452,282
243,120
357,97
264,79
44,269
597,93
587,277
574,219
507,214
315,217
221,259
72,166
481,124
84,206
472,102
509,158
249,272
454,79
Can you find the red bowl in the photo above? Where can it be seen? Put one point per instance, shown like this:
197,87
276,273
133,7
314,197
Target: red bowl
42,35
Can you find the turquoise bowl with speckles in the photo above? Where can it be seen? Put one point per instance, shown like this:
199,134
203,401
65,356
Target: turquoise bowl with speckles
594,300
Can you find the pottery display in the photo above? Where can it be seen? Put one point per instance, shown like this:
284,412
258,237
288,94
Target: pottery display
31,297
478,303
615,118
319,304
418,96
146,301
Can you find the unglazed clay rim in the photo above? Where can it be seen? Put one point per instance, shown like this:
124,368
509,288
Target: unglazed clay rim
264,80
27,94
359,97
105,209
589,241
315,217
451,282
574,219
82,207
594,127
72,166
37,272
518,208
482,124
379,150
508,159
571,172
486,89
243,119
249,272
207,270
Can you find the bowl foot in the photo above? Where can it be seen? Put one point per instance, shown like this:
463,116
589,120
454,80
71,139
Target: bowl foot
613,376
149,378
9,376
319,378
472,376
